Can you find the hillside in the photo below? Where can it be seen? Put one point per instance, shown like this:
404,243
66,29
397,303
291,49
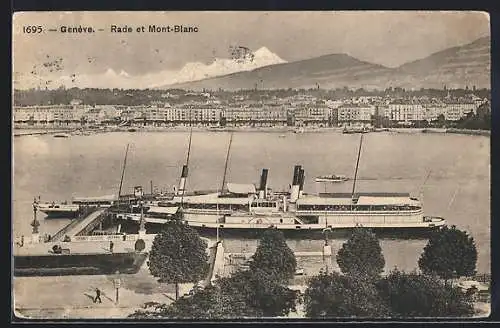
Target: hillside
454,67
328,71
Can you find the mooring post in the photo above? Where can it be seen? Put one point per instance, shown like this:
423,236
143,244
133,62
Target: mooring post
142,228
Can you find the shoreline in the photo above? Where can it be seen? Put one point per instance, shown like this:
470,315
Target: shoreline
281,130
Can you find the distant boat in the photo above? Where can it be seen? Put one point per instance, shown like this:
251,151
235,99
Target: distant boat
282,136
356,129
299,130
299,272
331,178
132,130
61,135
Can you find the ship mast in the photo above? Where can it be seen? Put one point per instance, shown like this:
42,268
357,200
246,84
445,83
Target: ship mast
123,174
225,165
357,165
187,161
421,192
189,146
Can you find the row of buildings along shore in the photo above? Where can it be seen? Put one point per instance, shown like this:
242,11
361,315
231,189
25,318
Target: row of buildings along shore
294,111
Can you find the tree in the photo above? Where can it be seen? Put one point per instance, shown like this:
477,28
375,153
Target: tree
178,255
417,295
335,295
262,292
273,256
209,303
449,253
441,120
361,255
249,294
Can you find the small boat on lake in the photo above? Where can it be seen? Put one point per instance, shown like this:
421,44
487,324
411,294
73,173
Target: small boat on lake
61,135
299,272
331,178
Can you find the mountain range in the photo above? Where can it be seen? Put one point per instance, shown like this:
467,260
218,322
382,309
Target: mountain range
244,60
466,65
454,67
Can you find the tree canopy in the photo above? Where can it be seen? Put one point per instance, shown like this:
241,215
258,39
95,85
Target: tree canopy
209,303
178,255
334,295
246,294
417,295
361,255
449,253
262,292
273,256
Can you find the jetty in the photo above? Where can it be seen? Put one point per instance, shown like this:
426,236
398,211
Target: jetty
35,133
81,225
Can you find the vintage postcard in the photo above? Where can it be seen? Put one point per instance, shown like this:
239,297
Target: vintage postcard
235,165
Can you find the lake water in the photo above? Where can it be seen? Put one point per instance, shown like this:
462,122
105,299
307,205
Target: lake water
458,166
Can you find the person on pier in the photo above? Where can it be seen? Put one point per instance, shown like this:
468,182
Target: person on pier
97,296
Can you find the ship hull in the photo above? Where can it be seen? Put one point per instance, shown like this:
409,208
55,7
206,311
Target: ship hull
59,214
312,231
340,233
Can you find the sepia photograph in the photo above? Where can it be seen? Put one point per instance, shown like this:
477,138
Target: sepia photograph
215,165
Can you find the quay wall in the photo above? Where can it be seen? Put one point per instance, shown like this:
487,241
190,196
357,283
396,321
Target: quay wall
67,264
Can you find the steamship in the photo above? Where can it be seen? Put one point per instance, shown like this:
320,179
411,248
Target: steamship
57,210
244,207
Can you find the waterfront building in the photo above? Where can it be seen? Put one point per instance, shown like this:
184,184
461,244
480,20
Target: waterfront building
456,109
355,112
316,114
155,115
203,114
433,109
270,114
48,115
403,111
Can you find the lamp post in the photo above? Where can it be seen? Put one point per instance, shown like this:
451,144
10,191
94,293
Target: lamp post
327,251
35,224
117,283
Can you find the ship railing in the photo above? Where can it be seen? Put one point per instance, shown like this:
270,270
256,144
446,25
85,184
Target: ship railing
115,237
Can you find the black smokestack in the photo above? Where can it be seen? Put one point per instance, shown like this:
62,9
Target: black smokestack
296,175
184,173
301,182
263,179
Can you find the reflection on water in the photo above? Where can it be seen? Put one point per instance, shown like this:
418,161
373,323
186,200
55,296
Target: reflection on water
458,186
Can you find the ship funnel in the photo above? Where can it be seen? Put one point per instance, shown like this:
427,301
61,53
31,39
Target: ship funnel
263,184
301,182
182,182
294,193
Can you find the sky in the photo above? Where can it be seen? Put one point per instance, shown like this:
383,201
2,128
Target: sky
386,38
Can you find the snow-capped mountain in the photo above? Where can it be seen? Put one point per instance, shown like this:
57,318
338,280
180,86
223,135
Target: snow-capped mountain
192,71
223,66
